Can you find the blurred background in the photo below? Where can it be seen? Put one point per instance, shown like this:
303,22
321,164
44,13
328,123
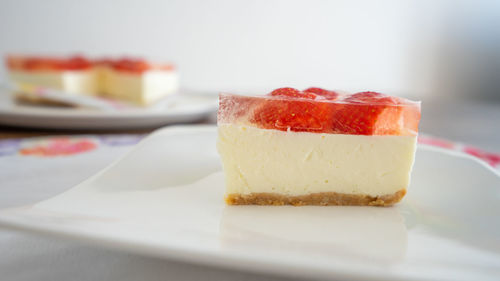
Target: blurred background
417,48
427,50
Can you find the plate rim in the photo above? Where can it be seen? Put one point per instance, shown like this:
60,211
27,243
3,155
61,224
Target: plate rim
27,111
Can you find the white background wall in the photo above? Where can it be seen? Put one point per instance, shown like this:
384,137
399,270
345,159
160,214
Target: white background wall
244,45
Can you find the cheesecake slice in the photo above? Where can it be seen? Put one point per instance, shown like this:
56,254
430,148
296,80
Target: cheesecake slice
316,147
73,75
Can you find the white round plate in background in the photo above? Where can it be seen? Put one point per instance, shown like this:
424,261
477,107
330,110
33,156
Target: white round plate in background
184,108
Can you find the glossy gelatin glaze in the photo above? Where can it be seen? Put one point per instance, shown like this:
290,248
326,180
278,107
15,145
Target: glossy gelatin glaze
317,110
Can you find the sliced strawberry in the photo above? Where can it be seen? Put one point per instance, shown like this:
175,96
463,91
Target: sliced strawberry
293,93
77,63
48,63
40,63
329,95
368,113
297,114
294,115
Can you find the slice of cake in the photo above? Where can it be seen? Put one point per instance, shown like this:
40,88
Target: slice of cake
135,81
138,81
316,147
74,75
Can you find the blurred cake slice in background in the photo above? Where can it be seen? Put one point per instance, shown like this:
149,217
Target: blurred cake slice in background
74,75
133,81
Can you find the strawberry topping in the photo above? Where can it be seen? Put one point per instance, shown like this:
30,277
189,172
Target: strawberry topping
131,65
314,110
47,63
77,63
297,114
137,65
36,63
294,115
368,113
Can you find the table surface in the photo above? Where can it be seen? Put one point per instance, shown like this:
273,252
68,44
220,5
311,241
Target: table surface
31,257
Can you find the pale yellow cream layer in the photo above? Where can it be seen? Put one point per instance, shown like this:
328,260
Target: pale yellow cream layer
297,163
144,88
73,82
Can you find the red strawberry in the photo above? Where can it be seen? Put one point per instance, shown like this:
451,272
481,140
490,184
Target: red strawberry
293,93
368,113
297,114
77,63
131,65
42,63
329,95
48,63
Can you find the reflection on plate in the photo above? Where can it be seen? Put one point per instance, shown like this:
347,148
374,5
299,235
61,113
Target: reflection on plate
165,199
379,234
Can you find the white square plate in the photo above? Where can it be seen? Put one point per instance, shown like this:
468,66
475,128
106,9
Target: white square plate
165,198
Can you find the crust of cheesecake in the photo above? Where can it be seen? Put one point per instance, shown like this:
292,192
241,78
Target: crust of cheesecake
318,199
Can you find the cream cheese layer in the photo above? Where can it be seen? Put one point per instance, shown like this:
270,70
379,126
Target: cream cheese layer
73,82
297,163
144,88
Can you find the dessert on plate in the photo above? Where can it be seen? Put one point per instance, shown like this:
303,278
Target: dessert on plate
316,147
135,81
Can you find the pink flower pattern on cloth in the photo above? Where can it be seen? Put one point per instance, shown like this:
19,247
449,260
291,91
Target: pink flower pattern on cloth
59,146
493,159
71,145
